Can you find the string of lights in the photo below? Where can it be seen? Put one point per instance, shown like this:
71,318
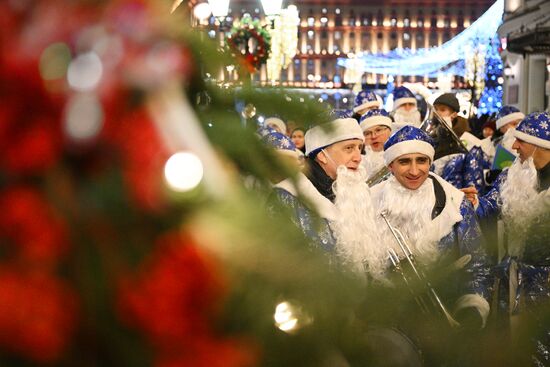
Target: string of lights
431,61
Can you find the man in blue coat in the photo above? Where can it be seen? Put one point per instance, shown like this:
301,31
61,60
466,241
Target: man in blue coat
329,146
436,219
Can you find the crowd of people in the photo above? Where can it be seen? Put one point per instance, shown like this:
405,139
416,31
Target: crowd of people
369,172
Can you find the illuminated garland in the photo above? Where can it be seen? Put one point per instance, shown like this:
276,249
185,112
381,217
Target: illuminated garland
430,61
251,42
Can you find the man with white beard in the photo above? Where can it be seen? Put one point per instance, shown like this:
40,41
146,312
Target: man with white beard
405,111
376,125
519,190
438,222
521,196
333,154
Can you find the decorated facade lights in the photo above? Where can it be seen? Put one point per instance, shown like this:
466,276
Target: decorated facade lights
284,41
429,61
220,8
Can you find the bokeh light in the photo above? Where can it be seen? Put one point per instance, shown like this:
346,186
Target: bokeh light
54,61
183,171
85,72
83,117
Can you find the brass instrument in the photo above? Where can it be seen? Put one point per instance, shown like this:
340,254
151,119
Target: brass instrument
447,142
430,299
379,176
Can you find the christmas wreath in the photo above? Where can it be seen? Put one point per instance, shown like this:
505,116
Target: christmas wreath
251,42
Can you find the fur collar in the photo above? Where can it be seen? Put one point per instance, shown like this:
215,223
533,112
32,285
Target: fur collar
443,224
303,186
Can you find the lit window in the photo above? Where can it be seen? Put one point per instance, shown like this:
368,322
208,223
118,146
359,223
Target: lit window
337,35
406,22
324,10
310,34
324,20
337,10
406,36
311,21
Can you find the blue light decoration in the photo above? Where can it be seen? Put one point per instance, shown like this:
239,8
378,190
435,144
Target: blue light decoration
448,58
491,97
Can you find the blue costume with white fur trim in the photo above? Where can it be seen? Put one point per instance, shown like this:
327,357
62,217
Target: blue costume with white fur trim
455,226
530,268
533,129
288,190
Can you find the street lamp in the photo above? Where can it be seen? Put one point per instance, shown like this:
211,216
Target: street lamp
220,8
272,7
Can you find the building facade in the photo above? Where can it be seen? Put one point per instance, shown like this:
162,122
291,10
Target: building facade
332,29
525,37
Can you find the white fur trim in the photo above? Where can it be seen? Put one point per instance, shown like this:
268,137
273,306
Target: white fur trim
277,122
443,224
407,147
374,121
509,118
366,105
303,186
398,102
531,139
477,301
321,136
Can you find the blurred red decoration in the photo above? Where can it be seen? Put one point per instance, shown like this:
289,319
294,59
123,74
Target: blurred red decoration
38,314
30,224
174,299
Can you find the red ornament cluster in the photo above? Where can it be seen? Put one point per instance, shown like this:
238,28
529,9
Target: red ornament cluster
46,179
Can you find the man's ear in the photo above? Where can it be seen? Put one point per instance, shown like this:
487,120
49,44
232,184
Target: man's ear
390,167
321,157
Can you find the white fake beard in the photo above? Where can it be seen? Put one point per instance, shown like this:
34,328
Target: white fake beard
404,117
372,161
519,199
410,211
355,228
508,140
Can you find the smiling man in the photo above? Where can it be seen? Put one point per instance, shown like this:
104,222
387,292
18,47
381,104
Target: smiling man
435,218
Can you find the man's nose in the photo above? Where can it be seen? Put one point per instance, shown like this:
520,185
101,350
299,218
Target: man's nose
414,169
357,155
515,145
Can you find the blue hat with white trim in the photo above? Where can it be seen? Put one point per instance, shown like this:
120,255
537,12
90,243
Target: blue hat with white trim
281,143
533,129
508,114
402,95
365,99
407,140
375,117
321,136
